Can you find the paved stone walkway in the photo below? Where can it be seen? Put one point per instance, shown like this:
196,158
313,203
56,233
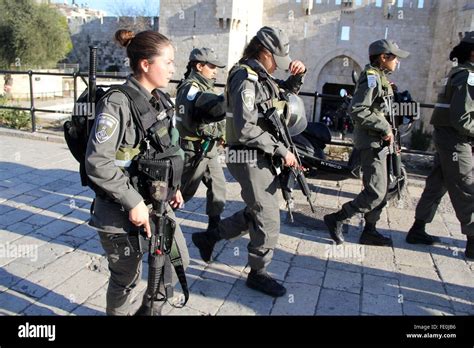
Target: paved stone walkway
52,262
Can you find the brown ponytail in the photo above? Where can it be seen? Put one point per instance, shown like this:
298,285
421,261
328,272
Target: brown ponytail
144,45
252,50
124,37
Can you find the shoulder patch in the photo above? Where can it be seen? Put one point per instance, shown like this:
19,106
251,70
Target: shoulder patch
105,127
193,91
470,79
251,75
372,81
248,97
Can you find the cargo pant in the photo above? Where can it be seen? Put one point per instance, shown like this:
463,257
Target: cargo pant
373,197
261,217
209,171
452,173
125,262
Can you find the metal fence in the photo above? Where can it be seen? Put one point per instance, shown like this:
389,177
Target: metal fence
32,109
121,76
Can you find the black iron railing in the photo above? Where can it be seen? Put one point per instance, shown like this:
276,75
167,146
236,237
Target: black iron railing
121,76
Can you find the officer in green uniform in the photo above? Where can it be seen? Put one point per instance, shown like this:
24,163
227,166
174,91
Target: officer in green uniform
120,212
371,129
252,92
201,124
453,121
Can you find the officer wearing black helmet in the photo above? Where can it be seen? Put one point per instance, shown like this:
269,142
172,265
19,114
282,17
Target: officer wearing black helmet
453,121
251,92
201,124
371,130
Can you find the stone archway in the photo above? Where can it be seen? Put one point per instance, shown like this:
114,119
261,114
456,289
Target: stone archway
339,52
335,67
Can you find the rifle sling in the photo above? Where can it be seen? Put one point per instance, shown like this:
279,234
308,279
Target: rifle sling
177,262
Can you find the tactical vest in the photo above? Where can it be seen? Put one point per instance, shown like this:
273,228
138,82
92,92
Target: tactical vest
201,131
384,89
156,138
378,81
441,113
267,96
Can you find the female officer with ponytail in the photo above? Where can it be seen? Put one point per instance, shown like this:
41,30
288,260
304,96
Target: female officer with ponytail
120,210
252,93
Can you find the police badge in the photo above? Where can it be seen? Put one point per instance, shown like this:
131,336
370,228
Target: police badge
372,81
106,127
192,93
248,97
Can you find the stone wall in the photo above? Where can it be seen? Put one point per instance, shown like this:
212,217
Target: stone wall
223,25
315,34
315,29
316,38
100,32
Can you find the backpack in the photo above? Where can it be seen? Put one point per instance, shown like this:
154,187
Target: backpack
78,129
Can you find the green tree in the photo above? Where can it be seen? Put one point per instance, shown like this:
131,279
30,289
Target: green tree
32,35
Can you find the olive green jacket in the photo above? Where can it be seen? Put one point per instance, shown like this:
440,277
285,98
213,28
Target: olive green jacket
188,123
455,105
367,108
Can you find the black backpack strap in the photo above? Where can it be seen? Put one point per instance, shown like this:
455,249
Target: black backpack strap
165,98
139,104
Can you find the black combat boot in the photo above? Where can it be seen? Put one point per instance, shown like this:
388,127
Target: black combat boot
213,222
334,223
469,253
263,282
370,236
205,242
146,309
418,235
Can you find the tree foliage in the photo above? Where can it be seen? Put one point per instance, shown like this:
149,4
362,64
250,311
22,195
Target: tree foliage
32,35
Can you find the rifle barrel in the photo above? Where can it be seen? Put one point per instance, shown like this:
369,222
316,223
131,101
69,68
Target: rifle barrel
92,74
91,95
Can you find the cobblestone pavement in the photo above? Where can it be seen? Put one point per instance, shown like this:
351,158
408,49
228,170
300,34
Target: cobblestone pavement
62,270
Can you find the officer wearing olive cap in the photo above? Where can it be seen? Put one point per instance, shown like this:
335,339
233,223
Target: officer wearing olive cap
371,129
252,92
453,121
201,123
